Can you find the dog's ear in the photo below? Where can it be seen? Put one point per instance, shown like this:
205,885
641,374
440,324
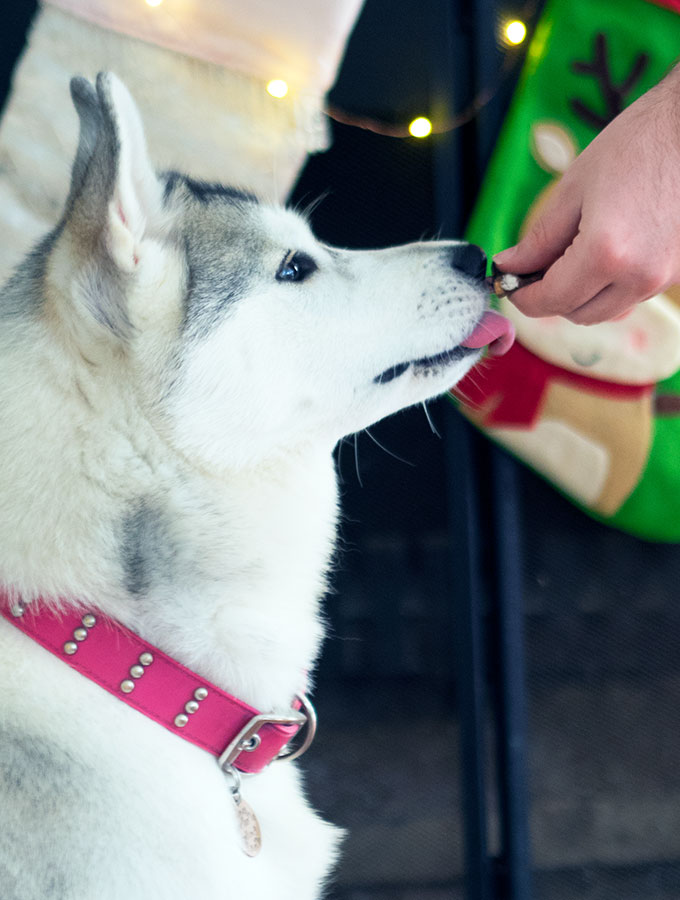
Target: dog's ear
86,103
114,189
115,195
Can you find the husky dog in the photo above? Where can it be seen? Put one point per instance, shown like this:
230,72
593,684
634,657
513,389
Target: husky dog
177,362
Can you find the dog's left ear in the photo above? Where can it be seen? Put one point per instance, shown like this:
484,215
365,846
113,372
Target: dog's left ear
115,194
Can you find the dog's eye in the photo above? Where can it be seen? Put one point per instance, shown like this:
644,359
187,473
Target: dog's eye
295,267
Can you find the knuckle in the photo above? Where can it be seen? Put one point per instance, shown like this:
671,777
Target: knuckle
610,252
648,281
576,318
584,316
624,262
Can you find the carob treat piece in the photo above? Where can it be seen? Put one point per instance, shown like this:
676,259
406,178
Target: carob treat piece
502,284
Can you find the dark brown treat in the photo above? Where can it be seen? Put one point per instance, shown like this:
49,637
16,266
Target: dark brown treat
502,284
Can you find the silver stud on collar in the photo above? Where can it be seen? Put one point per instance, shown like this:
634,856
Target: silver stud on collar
127,686
146,659
137,671
191,707
80,634
17,609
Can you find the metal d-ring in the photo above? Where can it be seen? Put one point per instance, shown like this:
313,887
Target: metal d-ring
309,729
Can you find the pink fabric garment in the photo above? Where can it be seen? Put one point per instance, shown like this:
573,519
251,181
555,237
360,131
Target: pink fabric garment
300,41
106,656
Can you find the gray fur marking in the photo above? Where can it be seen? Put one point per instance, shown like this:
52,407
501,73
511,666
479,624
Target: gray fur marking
211,290
147,550
86,103
205,191
221,247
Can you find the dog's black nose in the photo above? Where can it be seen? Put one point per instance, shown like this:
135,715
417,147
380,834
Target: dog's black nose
469,258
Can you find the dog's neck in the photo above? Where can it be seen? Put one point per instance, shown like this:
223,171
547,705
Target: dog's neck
258,546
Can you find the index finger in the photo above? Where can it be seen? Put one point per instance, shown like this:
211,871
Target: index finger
570,282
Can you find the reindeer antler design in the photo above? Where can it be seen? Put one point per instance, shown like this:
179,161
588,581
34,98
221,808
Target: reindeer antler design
614,95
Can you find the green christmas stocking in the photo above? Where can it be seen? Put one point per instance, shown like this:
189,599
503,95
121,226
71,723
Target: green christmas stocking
594,409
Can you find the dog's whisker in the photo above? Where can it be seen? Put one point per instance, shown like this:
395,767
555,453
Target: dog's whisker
389,452
472,375
461,395
475,384
307,211
429,419
356,459
311,208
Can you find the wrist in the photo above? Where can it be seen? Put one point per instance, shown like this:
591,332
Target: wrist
665,106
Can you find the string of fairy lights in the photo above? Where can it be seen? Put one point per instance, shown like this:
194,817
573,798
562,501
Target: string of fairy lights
512,33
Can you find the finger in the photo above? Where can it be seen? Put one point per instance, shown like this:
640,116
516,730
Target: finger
611,303
550,234
569,283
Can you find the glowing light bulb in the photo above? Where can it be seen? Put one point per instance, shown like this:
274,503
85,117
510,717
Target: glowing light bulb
420,127
515,32
153,2
277,88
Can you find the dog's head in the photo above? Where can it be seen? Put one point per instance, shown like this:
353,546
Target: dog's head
238,333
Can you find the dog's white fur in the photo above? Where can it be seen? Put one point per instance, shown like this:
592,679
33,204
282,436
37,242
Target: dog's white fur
201,445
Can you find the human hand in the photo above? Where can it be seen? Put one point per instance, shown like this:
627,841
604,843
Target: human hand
609,233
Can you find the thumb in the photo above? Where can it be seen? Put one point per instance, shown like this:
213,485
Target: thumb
549,235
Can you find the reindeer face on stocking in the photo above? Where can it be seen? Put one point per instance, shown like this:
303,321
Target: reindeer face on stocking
592,408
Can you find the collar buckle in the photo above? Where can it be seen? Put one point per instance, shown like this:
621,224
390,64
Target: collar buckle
248,738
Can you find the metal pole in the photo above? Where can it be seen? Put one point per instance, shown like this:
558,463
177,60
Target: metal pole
482,521
509,681
452,90
505,561
469,645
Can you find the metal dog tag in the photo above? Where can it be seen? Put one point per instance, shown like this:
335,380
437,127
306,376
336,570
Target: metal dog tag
251,837
248,826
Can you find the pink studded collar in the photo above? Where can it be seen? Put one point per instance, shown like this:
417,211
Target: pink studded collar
162,689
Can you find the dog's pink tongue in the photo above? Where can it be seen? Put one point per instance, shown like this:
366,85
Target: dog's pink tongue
493,331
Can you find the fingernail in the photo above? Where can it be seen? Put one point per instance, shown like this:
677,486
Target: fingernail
505,255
